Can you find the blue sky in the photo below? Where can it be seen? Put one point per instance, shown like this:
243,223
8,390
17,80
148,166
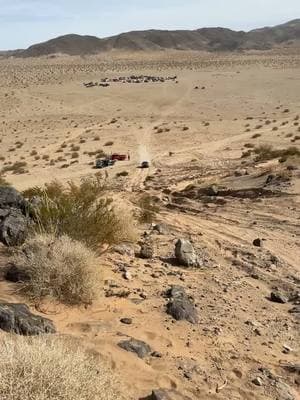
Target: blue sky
25,22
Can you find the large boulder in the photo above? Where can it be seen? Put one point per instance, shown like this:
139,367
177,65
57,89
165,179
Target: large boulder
11,198
13,227
14,217
180,307
17,318
185,254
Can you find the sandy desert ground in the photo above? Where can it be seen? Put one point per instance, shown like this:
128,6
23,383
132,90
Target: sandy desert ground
196,134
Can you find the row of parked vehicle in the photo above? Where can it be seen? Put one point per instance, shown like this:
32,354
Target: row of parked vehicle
112,159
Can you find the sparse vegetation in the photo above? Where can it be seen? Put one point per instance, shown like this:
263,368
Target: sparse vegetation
82,212
47,368
109,143
58,268
17,168
3,181
148,209
266,152
256,135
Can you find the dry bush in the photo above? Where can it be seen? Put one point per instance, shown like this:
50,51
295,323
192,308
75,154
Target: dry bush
58,268
48,368
3,181
17,168
266,152
148,209
82,212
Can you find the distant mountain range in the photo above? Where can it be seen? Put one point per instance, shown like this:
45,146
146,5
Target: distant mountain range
205,39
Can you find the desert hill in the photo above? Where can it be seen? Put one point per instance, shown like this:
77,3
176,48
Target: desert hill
205,39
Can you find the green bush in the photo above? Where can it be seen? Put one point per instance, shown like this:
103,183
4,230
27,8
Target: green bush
82,212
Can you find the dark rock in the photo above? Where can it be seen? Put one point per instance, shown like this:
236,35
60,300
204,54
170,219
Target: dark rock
14,274
257,242
278,297
13,227
180,307
11,198
257,381
17,318
211,190
126,321
140,348
295,311
146,251
185,254
162,229
156,354
159,395
125,250
162,394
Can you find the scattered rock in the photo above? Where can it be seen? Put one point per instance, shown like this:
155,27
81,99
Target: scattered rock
126,321
284,391
140,348
13,227
11,198
278,297
162,229
17,318
158,395
185,254
162,394
124,250
13,217
257,381
146,251
257,242
127,275
180,307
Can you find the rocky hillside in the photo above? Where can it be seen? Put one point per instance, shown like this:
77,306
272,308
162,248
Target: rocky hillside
205,39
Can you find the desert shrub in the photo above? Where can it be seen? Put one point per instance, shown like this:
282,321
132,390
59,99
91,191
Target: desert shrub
58,268
123,173
17,168
3,181
148,209
82,212
110,143
75,148
266,152
74,155
48,368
